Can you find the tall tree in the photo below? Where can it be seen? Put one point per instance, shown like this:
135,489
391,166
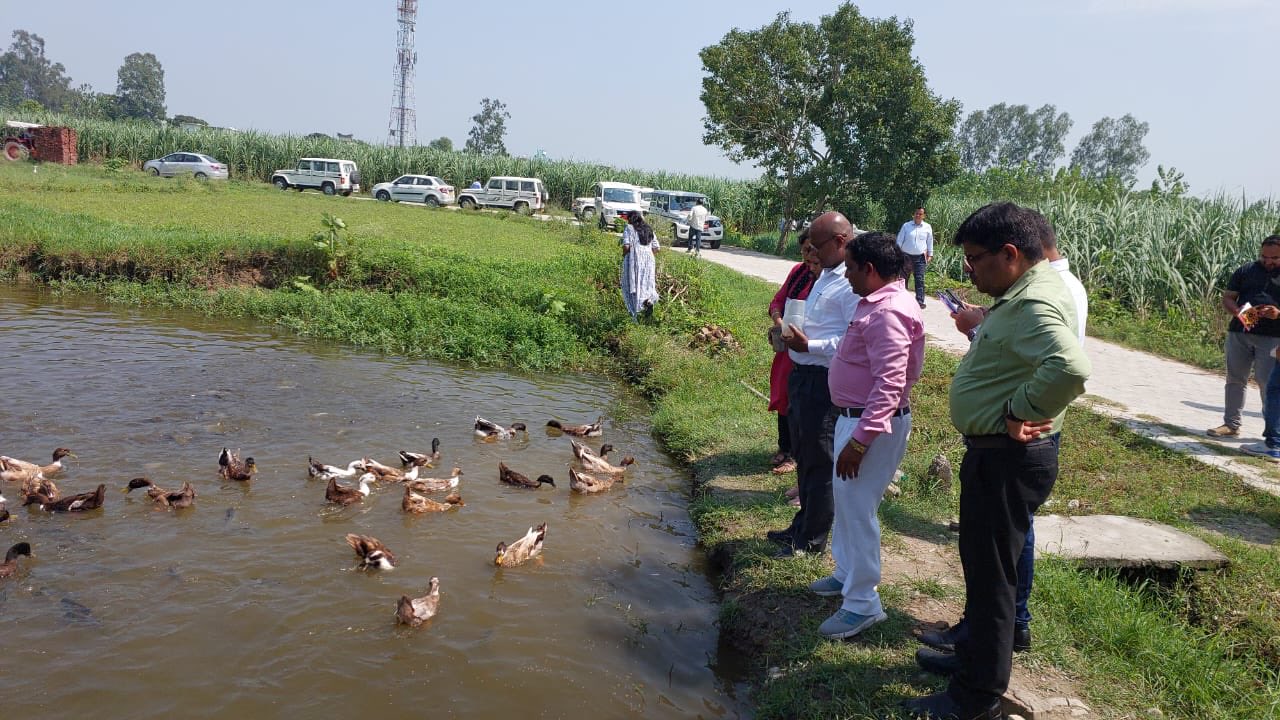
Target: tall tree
26,74
1010,135
140,88
1113,148
838,113
441,143
488,128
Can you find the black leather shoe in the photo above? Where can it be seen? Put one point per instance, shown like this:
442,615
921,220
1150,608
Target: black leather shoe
940,706
781,537
1021,638
945,640
938,663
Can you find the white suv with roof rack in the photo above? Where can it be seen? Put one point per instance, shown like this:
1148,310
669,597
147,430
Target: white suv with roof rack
521,194
673,206
327,175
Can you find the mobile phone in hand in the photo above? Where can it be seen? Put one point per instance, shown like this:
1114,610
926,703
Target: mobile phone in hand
950,300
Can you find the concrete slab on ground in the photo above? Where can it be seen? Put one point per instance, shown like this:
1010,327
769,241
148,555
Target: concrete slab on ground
1123,542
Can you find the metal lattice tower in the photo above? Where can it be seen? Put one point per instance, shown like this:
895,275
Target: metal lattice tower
403,128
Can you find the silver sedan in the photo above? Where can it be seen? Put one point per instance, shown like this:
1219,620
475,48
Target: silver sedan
201,167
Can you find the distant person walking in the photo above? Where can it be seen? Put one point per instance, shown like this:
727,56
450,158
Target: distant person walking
916,240
796,287
639,271
878,362
475,185
1009,394
827,312
698,215
1251,348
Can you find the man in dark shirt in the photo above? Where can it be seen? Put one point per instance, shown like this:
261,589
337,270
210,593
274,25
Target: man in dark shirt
1253,348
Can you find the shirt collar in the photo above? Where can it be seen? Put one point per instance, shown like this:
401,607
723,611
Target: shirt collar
1020,285
885,292
839,269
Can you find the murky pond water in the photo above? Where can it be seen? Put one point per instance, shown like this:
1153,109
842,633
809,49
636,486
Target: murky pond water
247,605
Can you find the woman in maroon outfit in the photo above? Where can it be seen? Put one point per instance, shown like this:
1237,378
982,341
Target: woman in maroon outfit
795,287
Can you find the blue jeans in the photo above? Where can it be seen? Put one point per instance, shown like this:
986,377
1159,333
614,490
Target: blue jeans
695,240
917,272
1271,409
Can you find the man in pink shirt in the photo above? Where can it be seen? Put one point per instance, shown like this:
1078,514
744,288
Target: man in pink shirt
877,363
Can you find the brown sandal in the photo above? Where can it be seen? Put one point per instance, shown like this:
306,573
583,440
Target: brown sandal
779,458
784,468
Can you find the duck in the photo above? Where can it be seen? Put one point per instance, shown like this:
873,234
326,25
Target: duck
595,429
428,459
521,550
580,449
10,564
4,508
598,464
511,477
72,503
436,484
491,431
15,470
184,498
344,495
386,473
587,484
418,504
233,468
321,471
372,553
40,484
415,611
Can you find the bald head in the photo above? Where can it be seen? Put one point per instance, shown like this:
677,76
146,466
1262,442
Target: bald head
828,235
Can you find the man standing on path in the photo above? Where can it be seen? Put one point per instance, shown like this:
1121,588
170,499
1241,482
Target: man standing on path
827,312
697,219
877,363
1258,284
916,240
968,320
1011,389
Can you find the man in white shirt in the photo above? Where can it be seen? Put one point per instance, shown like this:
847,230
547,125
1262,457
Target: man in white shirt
916,241
827,312
697,220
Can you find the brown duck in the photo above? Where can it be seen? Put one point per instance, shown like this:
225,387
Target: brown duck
15,470
588,484
595,429
418,504
231,467
72,503
372,553
436,484
523,549
10,564
184,498
601,466
429,459
511,477
343,495
415,611
491,431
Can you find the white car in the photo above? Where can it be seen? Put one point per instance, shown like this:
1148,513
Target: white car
672,207
201,167
427,189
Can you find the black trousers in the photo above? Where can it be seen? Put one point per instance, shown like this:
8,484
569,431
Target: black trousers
1000,488
784,434
812,421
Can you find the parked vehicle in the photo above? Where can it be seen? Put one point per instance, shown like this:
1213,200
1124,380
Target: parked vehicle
673,206
427,189
614,201
201,167
18,141
521,194
327,175
584,208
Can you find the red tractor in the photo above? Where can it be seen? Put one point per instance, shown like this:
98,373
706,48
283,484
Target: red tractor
19,141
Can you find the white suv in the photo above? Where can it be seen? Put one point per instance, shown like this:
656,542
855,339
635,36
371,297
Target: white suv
614,200
521,194
673,206
327,175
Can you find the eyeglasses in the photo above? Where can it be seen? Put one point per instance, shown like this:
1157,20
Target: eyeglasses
969,260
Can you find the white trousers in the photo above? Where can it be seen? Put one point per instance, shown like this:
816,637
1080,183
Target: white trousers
855,536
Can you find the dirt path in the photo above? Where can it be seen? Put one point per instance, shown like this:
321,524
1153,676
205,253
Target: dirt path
1167,401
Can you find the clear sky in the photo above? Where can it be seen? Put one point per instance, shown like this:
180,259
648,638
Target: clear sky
1202,73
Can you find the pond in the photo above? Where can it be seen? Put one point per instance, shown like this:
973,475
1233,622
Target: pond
247,604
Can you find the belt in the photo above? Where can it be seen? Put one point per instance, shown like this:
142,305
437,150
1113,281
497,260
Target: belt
801,368
987,442
857,412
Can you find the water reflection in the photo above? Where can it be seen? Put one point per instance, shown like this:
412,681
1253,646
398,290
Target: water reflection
248,604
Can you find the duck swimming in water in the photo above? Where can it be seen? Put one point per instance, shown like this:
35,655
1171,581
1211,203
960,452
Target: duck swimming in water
492,431
599,465
231,467
10,565
72,503
595,429
588,484
428,459
419,504
522,550
15,470
511,477
372,553
321,471
415,611
343,495
184,498
436,484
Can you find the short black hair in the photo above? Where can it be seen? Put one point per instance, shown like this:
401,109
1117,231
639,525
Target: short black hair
880,250
1271,240
995,225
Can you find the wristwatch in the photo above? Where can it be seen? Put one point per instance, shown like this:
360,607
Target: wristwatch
1008,412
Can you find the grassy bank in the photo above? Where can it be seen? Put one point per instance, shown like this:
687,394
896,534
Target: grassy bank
501,290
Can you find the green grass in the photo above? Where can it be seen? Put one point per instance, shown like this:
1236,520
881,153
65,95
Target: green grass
486,289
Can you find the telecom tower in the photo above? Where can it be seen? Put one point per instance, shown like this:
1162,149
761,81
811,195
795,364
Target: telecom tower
403,128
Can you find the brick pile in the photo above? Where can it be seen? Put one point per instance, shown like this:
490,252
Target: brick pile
54,144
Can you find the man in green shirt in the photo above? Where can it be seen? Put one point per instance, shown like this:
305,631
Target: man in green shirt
1008,396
